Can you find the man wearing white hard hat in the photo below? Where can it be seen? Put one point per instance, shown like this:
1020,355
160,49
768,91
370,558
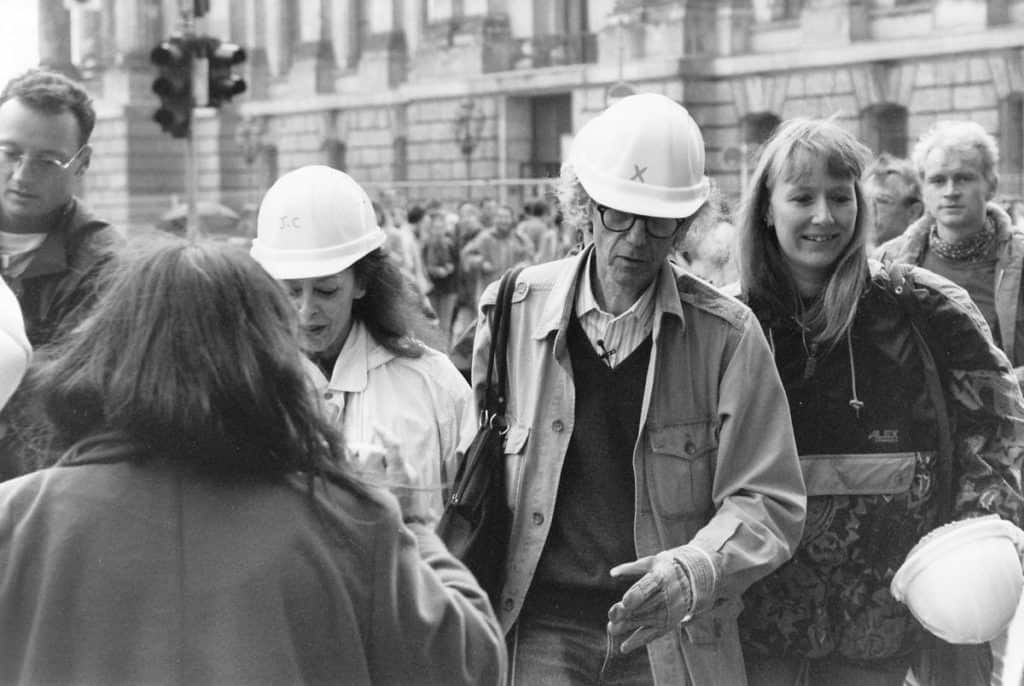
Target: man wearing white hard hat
402,406
652,465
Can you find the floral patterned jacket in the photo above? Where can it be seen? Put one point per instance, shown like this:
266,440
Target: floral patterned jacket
866,433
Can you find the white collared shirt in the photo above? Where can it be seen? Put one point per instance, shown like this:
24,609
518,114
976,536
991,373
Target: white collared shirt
613,337
422,405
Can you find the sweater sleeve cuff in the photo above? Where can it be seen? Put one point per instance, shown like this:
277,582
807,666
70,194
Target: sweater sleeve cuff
703,577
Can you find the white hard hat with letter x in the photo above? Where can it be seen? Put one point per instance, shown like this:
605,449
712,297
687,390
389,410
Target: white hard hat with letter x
643,155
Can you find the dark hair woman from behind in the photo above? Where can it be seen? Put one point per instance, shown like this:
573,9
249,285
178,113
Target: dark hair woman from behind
194,362
201,526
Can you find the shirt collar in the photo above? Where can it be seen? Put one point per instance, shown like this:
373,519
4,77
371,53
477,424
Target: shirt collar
561,301
642,309
358,356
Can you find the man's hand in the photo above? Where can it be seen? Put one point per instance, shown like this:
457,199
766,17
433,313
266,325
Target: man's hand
654,605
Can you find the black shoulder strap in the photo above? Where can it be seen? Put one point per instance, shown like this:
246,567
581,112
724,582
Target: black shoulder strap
497,362
901,279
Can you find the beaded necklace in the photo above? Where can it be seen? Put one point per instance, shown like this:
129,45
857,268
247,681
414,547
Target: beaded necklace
974,248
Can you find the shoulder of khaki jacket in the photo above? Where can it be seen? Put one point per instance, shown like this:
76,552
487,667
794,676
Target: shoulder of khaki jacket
534,279
702,295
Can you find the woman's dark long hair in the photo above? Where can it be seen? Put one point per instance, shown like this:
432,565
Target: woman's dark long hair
191,354
390,308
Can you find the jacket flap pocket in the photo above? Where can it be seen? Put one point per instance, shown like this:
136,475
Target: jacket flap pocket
515,439
688,440
858,473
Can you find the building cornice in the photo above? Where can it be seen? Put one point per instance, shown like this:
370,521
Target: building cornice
903,49
534,81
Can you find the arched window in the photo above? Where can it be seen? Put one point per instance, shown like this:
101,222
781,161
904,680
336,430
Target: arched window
884,129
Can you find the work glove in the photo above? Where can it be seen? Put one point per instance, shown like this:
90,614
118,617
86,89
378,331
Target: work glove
654,605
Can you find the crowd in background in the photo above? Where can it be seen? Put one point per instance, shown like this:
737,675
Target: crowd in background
727,432
451,253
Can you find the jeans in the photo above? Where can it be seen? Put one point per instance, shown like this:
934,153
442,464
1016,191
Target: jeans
566,644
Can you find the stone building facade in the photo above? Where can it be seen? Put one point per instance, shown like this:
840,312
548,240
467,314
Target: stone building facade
449,98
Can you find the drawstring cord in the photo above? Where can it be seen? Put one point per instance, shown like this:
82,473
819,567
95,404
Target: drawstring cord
855,402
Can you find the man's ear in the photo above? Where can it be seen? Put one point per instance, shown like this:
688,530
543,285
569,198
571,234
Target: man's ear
916,210
993,187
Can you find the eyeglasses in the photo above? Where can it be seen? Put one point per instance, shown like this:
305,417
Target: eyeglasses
620,222
43,163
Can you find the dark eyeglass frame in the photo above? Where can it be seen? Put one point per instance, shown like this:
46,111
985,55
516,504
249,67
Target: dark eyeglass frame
601,209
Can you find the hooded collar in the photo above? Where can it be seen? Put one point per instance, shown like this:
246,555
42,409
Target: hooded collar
915,238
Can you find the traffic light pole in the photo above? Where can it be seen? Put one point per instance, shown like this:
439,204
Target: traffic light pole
191,164
191,188
195,70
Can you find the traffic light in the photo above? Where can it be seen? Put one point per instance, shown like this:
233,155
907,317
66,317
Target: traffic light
224,83
173,58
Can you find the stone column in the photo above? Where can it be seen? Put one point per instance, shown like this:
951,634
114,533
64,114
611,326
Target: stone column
313,68
257,71
136,29
54,27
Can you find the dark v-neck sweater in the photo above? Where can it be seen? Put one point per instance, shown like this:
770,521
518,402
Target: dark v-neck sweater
592,529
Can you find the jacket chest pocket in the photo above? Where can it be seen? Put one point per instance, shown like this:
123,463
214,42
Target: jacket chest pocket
680,467
515,449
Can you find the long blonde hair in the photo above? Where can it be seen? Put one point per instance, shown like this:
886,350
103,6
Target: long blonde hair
763,271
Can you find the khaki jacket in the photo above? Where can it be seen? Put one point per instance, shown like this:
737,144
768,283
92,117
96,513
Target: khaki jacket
715,463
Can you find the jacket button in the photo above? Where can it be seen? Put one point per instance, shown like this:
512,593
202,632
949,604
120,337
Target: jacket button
508,604
328,395
690,448
558,426
538,518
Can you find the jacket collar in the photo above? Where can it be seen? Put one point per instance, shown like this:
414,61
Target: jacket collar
51,257
358,356
560,303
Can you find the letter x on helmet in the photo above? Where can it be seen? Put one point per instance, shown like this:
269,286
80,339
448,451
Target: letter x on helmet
314,221
644,155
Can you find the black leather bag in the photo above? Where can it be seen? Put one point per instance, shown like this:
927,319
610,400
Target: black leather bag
477,520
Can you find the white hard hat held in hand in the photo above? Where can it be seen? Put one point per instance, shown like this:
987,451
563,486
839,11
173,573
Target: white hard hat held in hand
644,155
314,221
963,581
15,351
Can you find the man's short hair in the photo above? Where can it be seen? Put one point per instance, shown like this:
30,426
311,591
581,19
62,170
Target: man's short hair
52,92
960,135
886,165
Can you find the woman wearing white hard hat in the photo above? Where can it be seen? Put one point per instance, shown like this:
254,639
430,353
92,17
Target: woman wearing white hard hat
652,469
403,407
854,342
